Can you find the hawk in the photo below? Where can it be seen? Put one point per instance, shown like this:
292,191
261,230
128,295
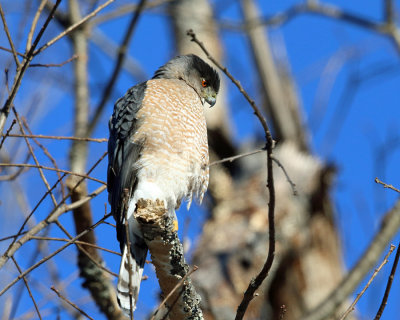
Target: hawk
158,149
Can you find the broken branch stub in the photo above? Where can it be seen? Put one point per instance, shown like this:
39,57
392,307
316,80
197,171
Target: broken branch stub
166,251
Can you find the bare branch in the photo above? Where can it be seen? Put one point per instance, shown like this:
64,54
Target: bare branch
14,52
27,165
389,226
389,284
77,242
257,111
389,186
63,209
7,133
44,223
292,184
16,245
278,93
385,260
117,67
28,288
166,252
47,153
33,25
233,158
48,65
10,51
92,255
21,127
73,27
329,11
255,283
178,285
40,136
124,10
71,303
21,71
326,10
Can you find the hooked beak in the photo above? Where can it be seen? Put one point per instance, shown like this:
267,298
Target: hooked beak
211,101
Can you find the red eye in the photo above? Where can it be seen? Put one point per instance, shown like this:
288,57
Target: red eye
204,83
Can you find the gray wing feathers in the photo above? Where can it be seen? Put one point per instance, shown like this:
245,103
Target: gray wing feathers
123,153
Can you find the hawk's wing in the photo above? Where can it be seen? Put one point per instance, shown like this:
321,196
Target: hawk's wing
123,153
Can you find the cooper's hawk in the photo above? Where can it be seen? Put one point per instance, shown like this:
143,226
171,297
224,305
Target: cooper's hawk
158,150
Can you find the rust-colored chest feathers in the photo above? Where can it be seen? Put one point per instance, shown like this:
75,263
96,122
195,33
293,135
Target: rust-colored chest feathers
172,130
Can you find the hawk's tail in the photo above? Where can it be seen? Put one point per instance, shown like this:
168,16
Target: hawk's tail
137,260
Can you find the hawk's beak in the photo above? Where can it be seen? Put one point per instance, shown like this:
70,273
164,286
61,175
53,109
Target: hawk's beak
211,101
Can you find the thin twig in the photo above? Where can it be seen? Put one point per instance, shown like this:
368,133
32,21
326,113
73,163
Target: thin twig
21,128
387,27
39,263
20,231
117,67
233,158
385,260
13,236
389,284
28,288
21,71
73,27
389,226
178,285
48,65
257,111
125,9
254,283
7,133
292,184
33,25
85,252
41,136
47,153
10,51
307,7
71,303
389,186
77,242
110,224
14,52
53,215
17,173
27,165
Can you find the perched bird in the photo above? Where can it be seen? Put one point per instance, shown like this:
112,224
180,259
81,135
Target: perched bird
158,149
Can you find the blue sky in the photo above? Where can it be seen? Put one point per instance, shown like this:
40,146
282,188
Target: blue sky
351,129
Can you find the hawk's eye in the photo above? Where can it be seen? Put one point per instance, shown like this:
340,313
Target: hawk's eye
204,83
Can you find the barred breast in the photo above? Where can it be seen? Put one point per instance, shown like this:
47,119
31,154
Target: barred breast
173,131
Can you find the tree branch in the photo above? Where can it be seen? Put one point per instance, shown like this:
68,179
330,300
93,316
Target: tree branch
14,52
21,71
389,285
66,208
117,67
167,257
258,280
389,226
385,260
73,27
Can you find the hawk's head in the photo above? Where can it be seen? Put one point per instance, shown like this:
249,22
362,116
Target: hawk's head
195,72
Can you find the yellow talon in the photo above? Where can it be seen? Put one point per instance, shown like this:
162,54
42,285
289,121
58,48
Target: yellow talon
176,227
